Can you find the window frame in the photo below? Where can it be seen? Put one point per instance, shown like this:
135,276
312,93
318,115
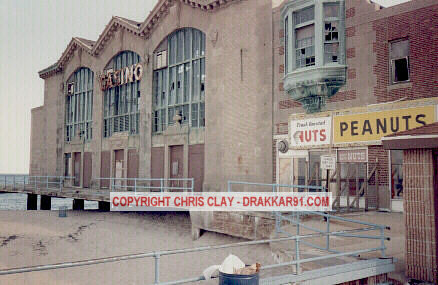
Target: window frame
79,105
178,88
392,70
127,115
330,20
392,62
300,25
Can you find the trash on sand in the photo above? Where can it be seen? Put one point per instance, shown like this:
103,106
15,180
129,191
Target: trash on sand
231,265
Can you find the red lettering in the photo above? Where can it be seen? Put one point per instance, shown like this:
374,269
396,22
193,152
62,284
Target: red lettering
245,201
114,201
323,135
143,201
315,135
308,139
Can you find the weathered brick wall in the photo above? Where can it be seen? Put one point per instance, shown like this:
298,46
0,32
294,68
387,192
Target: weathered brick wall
376,154
421,28
420,204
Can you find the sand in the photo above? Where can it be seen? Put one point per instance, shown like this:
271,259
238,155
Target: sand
29,238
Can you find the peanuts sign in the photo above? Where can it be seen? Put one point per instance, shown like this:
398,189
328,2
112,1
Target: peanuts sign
309,132
373,126
119,77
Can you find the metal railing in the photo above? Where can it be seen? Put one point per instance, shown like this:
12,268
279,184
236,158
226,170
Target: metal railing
265,187
158,254
149,184
294,219
34,182
115,184
298,239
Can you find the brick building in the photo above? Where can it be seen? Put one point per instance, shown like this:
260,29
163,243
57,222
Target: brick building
420,166
253,90
371,72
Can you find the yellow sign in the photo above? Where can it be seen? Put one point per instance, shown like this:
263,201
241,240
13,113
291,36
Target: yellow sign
374,126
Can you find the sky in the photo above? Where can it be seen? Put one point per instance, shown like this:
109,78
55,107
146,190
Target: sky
33,35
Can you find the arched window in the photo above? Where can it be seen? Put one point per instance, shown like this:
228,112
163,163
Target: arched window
79,105
120,100
179,80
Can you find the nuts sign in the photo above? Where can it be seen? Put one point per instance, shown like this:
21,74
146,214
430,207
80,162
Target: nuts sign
309,132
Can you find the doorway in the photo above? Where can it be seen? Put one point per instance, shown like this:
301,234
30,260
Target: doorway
77,169
118,166
87,169
196,165
176,157
292,169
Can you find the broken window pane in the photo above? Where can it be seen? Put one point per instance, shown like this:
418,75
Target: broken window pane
305,46
183,81
331,52
401,70
399,54
79,104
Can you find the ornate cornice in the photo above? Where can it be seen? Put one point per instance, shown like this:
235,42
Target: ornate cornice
140,29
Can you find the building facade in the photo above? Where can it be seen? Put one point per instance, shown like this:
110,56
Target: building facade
253,90
345,75
165,92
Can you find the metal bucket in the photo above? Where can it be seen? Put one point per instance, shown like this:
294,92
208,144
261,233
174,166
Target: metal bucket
62,212
237,279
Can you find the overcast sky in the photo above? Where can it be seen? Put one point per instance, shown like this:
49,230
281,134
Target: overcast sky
33,35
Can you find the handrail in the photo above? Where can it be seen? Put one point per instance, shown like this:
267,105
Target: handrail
157,254
34,181
136,183
57,182
276,186
298,238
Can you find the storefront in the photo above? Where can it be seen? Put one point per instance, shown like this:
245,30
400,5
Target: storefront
366,175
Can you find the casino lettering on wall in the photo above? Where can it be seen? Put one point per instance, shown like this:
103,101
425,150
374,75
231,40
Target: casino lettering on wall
375,125
122,76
